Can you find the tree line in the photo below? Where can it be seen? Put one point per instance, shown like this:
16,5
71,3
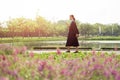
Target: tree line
40,27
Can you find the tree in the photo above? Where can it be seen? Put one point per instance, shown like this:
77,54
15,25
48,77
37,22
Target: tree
1,30
42,26
116,29
86,29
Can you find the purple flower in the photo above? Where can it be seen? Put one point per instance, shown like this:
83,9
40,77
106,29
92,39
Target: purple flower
49,76
9,72
50,68
89,63
98,67
114,72
117,77
40,68
93,59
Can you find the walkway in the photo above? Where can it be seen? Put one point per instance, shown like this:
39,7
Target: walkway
63,50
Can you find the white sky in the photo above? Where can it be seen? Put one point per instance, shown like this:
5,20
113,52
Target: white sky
91,11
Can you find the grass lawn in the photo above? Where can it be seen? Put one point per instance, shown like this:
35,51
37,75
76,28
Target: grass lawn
29,39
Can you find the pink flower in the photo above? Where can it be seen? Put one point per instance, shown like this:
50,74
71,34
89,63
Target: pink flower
31,54
64,72
16,51
14,73
107,74
41,66
110,59
4,78
3,57
102,54
93,52
16,58
114,72
24,49
50,68
19,78
84,73
58,51
43,63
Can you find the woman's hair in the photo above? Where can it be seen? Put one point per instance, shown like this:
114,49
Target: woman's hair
72,17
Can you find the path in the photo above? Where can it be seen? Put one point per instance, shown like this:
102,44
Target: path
63,50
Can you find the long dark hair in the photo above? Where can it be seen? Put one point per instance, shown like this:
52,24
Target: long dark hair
72,17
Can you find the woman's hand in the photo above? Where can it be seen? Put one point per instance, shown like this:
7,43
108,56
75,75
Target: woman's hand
77,35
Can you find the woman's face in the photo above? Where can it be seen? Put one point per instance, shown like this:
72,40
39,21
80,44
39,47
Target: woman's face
71,18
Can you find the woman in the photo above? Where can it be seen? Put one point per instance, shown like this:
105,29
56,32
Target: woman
73,34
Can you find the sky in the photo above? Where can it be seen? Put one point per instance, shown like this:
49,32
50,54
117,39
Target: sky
86,11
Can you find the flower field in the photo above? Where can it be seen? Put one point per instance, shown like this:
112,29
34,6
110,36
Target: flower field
17,64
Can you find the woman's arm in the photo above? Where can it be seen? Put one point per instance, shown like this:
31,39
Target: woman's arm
75,29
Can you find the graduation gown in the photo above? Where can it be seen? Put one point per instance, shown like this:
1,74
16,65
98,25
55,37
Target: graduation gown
72,40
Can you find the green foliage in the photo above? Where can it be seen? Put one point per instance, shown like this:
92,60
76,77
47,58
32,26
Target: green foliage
40,27
20,40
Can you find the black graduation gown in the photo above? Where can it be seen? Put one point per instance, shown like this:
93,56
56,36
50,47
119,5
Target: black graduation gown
72,40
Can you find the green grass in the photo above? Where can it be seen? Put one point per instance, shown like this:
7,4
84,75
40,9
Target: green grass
104,38
63,56
29,39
